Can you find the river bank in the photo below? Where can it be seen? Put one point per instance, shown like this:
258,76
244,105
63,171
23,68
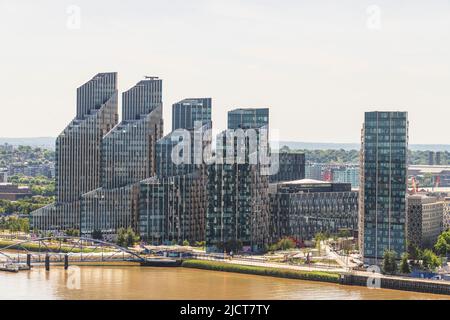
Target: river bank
346,279
262,271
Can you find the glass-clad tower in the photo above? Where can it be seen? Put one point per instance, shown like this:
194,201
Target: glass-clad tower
383,189
172,205
238,201
248,118
187,112
78,156
127,157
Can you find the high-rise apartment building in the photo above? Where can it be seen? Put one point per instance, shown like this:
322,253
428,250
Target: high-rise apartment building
238,202
78,155
128,157
172,205
187,112
248,118
382,223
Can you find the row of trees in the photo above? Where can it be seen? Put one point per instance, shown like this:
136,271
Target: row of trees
427,259
24,206
39,186
352,156
14,224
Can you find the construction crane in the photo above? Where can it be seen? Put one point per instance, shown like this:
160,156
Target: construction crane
415,185
437,182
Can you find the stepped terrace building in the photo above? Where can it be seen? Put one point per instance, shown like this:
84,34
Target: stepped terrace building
78,155
128,157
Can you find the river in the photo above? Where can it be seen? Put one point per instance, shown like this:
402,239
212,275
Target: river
135,282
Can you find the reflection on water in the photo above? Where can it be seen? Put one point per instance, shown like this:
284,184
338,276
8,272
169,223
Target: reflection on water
133,282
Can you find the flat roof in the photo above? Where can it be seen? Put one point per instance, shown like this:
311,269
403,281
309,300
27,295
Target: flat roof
306,181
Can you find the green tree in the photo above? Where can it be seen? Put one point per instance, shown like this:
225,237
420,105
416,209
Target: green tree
389,263
72,232
185,243
414,252
130,237
404,264
442,246
121,237
319,237
430,261
286,244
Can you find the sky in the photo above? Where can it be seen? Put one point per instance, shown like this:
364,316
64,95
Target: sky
318,65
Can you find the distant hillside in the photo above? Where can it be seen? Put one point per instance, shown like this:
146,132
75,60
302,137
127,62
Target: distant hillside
43,142
356,146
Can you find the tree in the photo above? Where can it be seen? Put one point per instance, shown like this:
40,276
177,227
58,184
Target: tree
72,232
286,244
442,246
389,263
414,252
344,233
319,237
126,237
404,264
185,243
430,261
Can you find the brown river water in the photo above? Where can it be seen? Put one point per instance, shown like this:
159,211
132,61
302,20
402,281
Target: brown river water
135,282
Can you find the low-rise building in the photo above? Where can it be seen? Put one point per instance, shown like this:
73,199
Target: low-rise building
291,166
9,191
303,208
424,220
3,176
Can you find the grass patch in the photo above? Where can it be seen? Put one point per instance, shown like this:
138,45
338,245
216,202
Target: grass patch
262,271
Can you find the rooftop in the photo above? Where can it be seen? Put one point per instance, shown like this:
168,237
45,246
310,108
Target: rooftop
306,181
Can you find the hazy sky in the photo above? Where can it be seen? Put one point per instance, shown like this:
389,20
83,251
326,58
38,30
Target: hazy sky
318,65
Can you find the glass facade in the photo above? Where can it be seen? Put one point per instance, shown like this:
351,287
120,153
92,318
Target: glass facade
238,201
127,157
301,209
173,209
187,112
291,167
383,184
78,155
249,118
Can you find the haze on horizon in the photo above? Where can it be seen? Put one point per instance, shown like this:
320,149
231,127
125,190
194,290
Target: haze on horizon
318,65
